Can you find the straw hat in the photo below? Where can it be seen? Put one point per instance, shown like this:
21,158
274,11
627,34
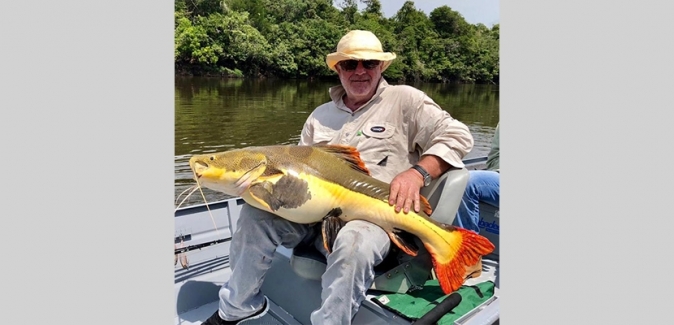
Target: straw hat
359,45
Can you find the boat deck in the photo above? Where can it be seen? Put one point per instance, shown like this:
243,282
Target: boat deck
298,296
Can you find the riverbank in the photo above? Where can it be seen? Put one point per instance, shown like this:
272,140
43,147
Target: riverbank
226,73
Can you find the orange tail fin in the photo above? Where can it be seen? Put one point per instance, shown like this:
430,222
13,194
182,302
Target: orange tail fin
468,247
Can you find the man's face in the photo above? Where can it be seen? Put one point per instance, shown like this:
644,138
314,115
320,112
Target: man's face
359,78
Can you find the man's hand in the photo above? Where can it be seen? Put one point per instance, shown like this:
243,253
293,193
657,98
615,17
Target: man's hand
405,189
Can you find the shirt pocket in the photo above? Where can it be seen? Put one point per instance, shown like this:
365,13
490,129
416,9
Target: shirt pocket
379,130
323,134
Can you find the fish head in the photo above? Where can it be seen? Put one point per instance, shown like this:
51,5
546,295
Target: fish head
230,172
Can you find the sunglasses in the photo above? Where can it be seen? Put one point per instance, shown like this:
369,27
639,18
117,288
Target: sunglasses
350,65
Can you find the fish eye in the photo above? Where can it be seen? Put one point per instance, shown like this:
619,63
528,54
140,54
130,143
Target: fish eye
212,158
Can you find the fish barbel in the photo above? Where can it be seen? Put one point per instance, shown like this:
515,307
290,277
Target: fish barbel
307,184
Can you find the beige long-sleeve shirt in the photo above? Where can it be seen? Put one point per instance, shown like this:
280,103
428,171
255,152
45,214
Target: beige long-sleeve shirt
391,131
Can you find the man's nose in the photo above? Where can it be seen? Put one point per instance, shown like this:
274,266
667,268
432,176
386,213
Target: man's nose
360,69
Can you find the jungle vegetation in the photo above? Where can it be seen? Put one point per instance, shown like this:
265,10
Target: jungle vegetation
290,39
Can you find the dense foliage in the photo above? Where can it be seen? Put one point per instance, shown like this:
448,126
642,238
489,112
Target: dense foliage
290,39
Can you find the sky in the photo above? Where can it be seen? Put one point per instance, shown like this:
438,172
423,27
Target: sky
474,11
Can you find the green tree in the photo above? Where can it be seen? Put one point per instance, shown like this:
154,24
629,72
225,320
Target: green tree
372,8
193,46
448,23
257,12
203,8
309,42
415,33
349,11
290,38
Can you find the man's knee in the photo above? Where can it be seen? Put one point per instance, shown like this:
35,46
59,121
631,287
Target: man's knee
252,217
261,223
483,185
362,239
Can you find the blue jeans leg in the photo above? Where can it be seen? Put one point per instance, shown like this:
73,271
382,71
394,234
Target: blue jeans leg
483,186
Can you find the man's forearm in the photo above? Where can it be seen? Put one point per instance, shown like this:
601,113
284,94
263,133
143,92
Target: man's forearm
434,165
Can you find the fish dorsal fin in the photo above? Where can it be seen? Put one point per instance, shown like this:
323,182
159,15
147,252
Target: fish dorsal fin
348,153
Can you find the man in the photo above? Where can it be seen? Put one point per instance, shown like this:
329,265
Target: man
483,186
403,138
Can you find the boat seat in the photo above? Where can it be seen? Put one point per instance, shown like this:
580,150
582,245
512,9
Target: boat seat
398,272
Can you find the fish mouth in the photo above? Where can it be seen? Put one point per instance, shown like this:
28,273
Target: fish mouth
198,167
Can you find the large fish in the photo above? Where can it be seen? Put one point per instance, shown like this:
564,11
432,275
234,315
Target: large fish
308,184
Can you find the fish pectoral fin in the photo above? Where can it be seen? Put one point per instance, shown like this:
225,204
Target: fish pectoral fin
425,206
262,193
405,242
330,228
281,191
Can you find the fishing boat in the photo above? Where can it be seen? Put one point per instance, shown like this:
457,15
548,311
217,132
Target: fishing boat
202,240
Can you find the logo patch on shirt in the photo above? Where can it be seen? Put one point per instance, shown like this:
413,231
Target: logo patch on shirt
378,129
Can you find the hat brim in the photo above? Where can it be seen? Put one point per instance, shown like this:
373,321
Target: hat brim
386,57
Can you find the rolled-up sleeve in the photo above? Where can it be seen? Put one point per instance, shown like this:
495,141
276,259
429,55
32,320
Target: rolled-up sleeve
439,134
306,136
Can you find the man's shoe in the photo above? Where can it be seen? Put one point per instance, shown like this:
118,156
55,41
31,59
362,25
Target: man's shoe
216,320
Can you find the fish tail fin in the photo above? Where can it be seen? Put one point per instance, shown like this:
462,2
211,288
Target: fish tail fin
466,249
